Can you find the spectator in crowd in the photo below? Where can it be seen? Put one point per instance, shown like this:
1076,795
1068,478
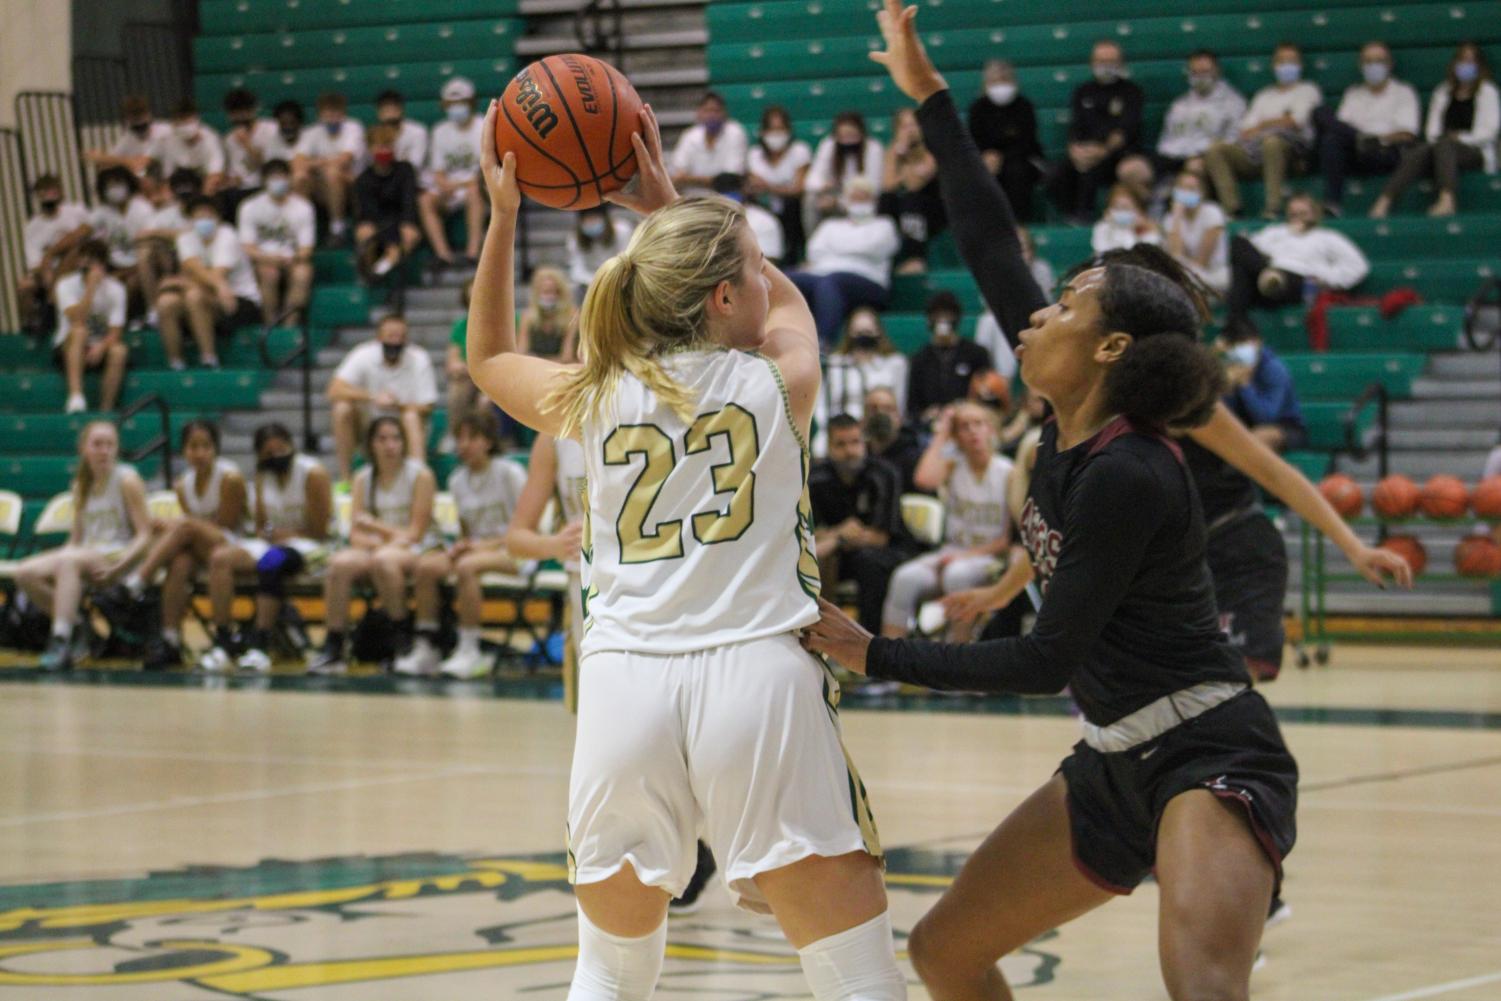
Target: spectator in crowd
247,142
386,225
847,152
289,128
715,145
1125,222
110,530
387,377
598,235
156,245
194,145
411,137
1261,391
1104,127
452,180
463,395
962,462
120,218
292,511
1464,118
863,360
91,327
485,489
328,157
1376,121
49,241
909,192
1209,112
988,333
391,527
778,170
766,227
1030,413
1285,263
141,143
857,502
1004,124
943,368
1194,232
849,261
549,325
215,290
890,436
278,229
1275,136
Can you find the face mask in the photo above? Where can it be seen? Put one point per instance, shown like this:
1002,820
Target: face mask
141,129
205,228
275,464
49,205
593,228
186,131
333,127
714,126
116,194
848,469
1202,83
1001,93
278,186
241,123
1467,71
1287,72
383,157
392,352
394,123
184,195
860,210
547,302
1375,73
458,113
1107,73
1244,353
1187,197
864,340
854,147
290,133
1123,217
879,427
775,141
943,329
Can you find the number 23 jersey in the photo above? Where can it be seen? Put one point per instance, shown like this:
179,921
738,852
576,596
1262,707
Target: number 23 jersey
700,534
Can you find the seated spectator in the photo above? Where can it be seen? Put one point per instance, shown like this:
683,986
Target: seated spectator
849,261
1275,136
1284,264
193,145
909,193
91,327
122,216
110,530
765,226
1194,233
1261,390
988,333
863,360
1028,416
890,436
1376,121
598,235
391,527
1464,118
463,395
382,377
548,327
961,461
857,502
247,144
386,227
1004,124
452,180
278,229
1209,112
714,145
411,137
847,152
328,157
215,290
778,170
141,143
289,127
1104,127
156,245
486,490
50,241
1125,222
942,370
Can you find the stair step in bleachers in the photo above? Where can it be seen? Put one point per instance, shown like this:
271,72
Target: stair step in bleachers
1362,328
38,477
410,42
34,434
236,17
196,389
418,82
1346,376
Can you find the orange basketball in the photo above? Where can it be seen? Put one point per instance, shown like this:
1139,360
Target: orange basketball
569,120
1395,497
1478,556
1445,497
1343,494
1410,549
1486,500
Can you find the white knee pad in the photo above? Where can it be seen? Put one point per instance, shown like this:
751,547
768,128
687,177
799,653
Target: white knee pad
855,965
611,968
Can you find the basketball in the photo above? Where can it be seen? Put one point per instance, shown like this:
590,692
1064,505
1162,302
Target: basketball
569,120
1343,494
1445,497
1477,556
1395,497
1486,500
1410,549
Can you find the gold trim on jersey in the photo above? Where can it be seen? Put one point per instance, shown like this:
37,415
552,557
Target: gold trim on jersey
860,809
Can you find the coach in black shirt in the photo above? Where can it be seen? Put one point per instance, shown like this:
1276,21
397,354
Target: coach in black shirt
889,436
1104,126
1004,124
942,369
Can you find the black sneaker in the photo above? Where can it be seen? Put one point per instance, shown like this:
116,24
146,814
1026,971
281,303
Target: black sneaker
1278,912
689,901
328,661
58,656
161,655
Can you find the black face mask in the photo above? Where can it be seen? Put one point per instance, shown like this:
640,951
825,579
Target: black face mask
290,133
184,195
141,129
49,205
395,123
275,464
854,147
865,342
392,352
879,427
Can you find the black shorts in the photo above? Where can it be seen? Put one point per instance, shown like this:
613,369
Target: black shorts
1115,801
246,314
1248,561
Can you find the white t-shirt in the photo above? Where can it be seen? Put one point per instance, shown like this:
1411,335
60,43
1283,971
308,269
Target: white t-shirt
1196,121
1394,109
864,248
410,380
1299,100
1192,228
694,156
278,148
170,217
455,151
317,144
411,143
583,263
119,228
1322,254
1109,236
273,227
130,145
795,157
263,136
42,232
848,379
206,154
106,310
225,253
486,500
869,166
768,230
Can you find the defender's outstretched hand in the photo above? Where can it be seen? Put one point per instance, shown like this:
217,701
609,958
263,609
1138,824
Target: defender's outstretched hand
838,637
905,58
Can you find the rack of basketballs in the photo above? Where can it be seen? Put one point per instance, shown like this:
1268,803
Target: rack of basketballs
1397,500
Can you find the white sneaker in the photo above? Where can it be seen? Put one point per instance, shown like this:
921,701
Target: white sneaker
216,661
421,659
76,404
471,663
255,660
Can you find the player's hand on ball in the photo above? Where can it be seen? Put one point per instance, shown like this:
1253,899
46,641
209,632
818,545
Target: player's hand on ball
838,637
905,58
1377,565
652,187
500,177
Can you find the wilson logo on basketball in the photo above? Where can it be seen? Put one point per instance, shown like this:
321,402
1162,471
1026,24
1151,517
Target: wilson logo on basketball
581,81
537,111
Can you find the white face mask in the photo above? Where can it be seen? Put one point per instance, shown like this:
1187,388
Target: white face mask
1246,353
943,328
776,140
278,186
860,210
547,301
1001,93
457,113
205,228
116,194
1123,217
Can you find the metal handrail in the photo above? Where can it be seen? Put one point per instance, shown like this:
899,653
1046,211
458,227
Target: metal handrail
162,442
1359,449
1490,287
301,352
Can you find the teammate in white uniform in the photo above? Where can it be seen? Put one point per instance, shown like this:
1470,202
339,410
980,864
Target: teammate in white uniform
697,706
110,530
293,512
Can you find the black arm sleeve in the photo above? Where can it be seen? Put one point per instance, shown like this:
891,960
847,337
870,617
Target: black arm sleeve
984,225
1113,511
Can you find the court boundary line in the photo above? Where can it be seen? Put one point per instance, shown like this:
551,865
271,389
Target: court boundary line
1434,990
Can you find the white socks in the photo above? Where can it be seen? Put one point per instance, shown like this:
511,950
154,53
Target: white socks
134,584
611,968
855,965
468,638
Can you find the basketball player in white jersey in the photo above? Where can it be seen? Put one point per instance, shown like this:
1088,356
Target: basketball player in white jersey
696,711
